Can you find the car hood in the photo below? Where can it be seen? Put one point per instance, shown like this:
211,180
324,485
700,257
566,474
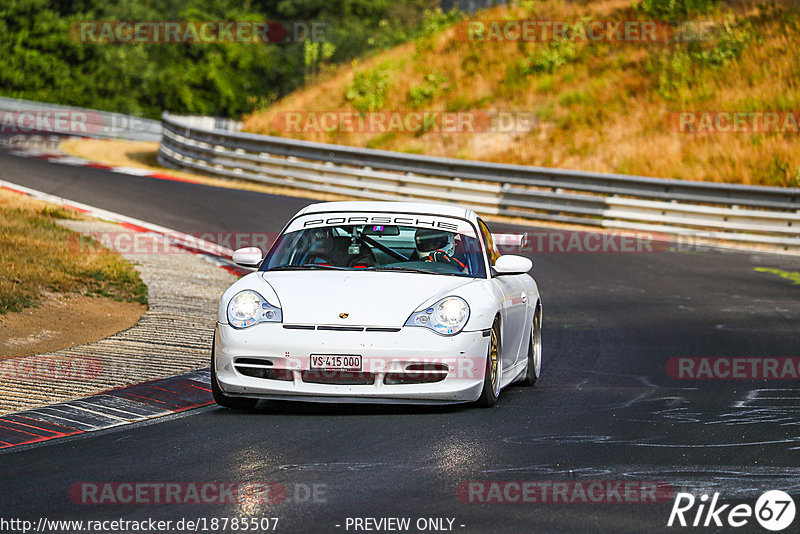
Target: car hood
381,299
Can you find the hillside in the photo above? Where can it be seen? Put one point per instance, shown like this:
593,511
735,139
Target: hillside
602,105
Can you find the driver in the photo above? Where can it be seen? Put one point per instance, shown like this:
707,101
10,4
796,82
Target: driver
439,246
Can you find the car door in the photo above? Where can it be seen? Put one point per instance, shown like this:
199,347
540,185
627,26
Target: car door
513,305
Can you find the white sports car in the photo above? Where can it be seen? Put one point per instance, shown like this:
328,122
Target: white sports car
378,302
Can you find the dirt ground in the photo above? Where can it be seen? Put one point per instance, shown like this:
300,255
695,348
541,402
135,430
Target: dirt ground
64,321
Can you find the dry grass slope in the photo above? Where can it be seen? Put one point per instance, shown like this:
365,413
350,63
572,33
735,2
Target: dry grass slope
601,106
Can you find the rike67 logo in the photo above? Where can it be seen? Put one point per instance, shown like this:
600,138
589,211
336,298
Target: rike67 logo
774,510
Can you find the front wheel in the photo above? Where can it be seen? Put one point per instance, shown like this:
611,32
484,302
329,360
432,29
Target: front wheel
235,403
491,378
534,368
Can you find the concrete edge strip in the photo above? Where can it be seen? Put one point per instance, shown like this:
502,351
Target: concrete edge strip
116,407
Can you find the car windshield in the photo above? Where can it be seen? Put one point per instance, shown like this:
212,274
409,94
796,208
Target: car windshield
431,245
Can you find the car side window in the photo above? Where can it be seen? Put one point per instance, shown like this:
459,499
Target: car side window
491,249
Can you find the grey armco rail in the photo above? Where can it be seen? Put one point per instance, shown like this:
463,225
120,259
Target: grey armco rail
739,213
98,124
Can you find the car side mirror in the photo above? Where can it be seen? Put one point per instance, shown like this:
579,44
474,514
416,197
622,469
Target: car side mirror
509,264
247,257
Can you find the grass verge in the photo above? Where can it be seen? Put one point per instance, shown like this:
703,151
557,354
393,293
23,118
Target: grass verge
38,256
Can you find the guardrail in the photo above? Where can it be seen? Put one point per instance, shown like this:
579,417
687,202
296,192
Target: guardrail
746,214
211,123
37,118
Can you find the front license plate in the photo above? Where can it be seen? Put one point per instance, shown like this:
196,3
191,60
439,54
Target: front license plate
336,362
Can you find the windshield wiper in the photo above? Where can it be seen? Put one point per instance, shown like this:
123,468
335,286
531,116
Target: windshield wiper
410,270
306,266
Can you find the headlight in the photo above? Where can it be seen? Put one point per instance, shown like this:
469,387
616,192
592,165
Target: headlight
447,317
247,308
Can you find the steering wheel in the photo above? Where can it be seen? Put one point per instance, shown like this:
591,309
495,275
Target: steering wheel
439,256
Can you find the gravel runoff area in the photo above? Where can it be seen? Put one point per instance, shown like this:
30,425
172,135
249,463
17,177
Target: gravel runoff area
172,337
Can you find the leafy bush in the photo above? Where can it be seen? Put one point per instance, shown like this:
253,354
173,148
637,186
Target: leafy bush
673,70
40,61
419,96
436,20
730,43
315,53
677,67
368,90
549,57
675,9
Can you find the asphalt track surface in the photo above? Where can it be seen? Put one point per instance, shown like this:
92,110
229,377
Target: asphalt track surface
605,409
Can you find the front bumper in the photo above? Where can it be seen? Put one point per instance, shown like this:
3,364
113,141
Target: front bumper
384,355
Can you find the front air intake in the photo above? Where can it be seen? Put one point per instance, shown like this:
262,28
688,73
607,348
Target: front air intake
417,373
261,368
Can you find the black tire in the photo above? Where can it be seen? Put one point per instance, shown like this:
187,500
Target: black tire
491,378
234,403
532,374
